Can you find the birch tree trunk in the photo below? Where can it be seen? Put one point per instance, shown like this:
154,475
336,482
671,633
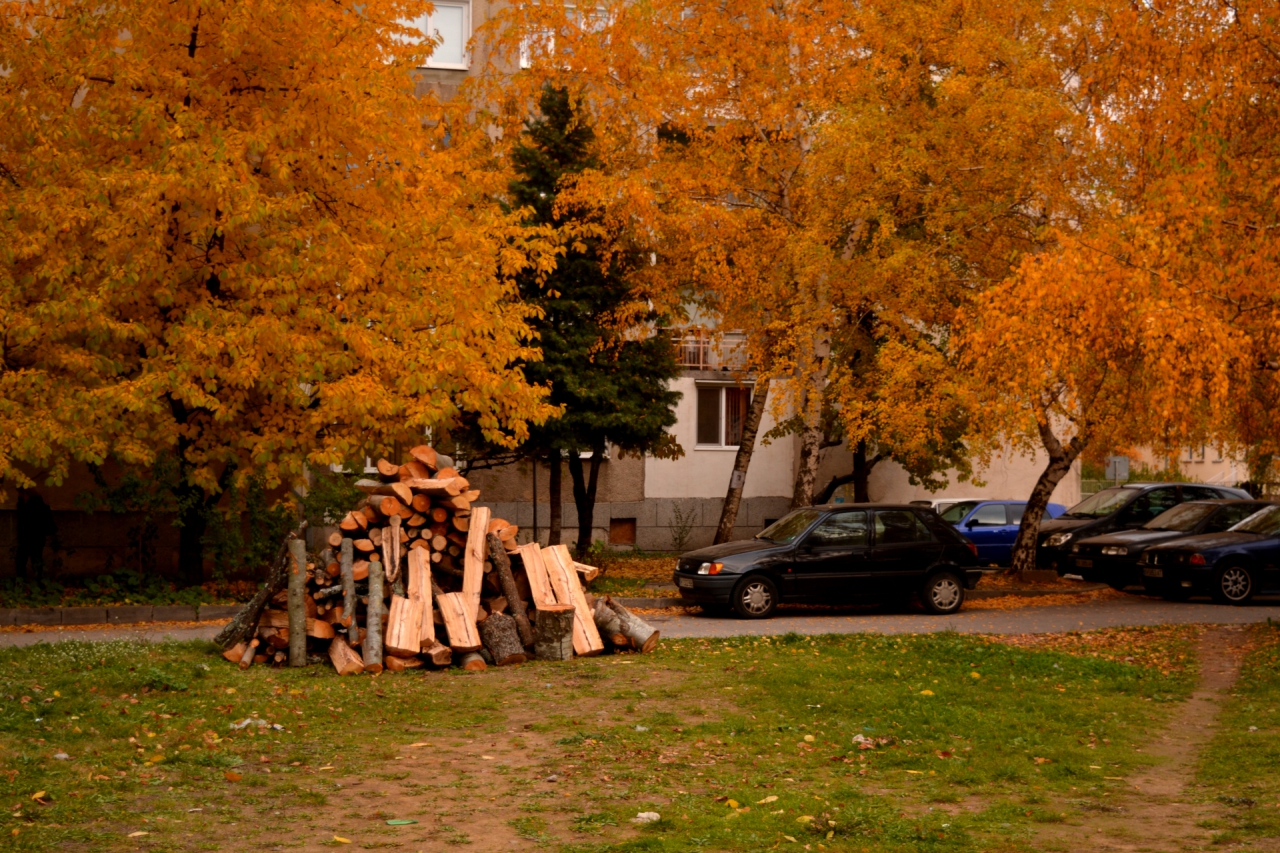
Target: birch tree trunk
297,609
741,462
371,648
1061,458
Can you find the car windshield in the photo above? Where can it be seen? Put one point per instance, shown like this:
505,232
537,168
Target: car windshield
955,513
1182,517
1103,503
787,528
1264,523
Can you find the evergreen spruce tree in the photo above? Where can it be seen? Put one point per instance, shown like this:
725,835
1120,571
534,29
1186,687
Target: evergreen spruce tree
613,387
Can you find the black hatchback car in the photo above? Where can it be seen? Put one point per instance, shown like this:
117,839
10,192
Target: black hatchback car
1119,508
1113,557
834,554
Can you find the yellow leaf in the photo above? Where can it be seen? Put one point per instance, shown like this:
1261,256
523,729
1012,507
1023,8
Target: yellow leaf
341,840
769,799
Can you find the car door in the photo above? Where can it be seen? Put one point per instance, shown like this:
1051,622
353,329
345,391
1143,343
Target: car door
988,528
833,557
902,549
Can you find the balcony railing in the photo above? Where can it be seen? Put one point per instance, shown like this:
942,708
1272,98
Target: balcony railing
698,349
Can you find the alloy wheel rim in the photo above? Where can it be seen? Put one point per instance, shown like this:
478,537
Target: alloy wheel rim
945,594
1235,584
756,598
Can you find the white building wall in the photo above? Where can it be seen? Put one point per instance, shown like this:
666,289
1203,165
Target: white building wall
1008,477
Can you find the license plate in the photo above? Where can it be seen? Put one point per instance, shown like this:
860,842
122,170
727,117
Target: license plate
687,583
1153,573
1084,564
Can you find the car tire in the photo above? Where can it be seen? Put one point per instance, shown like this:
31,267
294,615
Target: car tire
1233,584
942,594
755,597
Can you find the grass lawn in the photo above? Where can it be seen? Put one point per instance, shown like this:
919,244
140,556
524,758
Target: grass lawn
742,745
1239,767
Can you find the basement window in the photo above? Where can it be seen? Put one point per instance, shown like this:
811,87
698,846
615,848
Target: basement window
622,531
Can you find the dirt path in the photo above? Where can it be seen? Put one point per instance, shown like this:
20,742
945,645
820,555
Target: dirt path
1157,813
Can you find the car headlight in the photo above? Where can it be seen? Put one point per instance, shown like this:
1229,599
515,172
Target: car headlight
1115,550
710,568
1058,539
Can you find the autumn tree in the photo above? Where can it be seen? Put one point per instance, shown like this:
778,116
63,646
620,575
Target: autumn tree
604,366
804,168
232,234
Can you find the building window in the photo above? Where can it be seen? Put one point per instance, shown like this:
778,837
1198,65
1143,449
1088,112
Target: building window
449,25
622,531
721,412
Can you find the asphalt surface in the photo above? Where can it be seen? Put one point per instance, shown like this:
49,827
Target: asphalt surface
1085,616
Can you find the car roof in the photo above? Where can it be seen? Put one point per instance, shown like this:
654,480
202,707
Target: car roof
1152,485
829,507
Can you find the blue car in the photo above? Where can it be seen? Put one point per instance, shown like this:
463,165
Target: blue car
1231,566
992,525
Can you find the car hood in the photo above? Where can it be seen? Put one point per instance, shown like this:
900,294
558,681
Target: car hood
1131,538
1062,525
729,549
1210,541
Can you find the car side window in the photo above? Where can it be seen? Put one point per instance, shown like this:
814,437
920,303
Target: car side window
1016,511
1149,505
1199,493
898,526
1229,516
991,515
842,529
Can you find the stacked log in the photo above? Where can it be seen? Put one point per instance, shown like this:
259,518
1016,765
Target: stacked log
417,575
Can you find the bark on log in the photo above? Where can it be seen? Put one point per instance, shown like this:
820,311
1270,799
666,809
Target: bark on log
372,644
609,625
244,623
345,660
508,582
499,635
643,636
553,637
297,609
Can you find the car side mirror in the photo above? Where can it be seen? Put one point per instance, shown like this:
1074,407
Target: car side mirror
973,522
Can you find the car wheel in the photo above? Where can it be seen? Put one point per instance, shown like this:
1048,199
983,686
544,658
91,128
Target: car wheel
1234,585
755,597
942,593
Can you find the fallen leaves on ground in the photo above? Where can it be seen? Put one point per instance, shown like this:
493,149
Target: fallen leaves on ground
1160,647
1017,602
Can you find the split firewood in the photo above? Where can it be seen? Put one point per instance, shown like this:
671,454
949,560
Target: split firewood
345,660
386,505
361,519
417,520
473,662
349,523
420,596
503,567
335,615
235,653
553,634
439,487
499,635
564,580
365,546
396,663
642,635
535,571
589,573
459,622
386,469
458,503
375,536
334,539
360,570
439,654
250,651
414,470
446,473
471,496
473,561
424,454
404,628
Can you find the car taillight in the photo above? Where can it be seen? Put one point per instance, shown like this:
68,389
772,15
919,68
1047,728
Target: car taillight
1197,560
973,548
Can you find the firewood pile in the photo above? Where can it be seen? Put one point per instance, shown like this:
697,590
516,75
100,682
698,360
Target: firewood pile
417,575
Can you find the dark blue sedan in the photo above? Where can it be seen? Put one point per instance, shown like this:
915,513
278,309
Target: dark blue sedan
992,525
1232,566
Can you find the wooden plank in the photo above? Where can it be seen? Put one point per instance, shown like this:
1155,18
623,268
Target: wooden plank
536,571
420,594
473,561
458,622
586,638
404,627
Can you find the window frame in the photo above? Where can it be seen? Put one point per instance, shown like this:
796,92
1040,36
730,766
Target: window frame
721,389
424,23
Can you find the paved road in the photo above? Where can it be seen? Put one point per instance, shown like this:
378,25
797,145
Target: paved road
1086,616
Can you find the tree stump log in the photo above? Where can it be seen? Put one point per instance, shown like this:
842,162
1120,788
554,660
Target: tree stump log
499,634
553,634
345,660
609,625
297,604
642,635
508,582
245,623
473,662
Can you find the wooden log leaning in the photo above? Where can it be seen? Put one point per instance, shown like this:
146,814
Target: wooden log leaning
371,646
244,623
500,637
250,651
297,607
642,636
553,634
458,623
564,579
344,658
535,572
404,628
348,581
420,597
473,561
507,581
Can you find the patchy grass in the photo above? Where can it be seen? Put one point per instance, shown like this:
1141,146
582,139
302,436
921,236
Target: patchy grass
1238,768
855,743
